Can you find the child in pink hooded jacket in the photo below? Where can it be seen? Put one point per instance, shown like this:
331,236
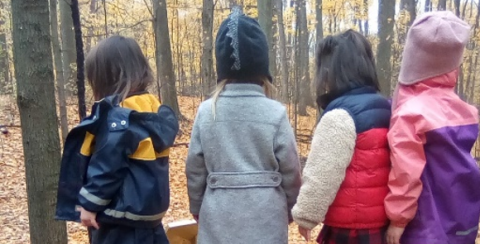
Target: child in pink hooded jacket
434,181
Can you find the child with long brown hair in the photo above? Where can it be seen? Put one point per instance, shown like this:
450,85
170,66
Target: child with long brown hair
114,174
242,166
345,178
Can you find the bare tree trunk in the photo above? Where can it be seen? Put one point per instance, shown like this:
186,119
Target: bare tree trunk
82,110
459,85
319,34
408,10
163,57
456,4
442,5
68,40
411,7
283,52
319,20
303,57
4,62
4,69
207,54
473,87
36,102
471,81
57,57
386,15
93,4
366,27
428,6
105,18
464,9
265,19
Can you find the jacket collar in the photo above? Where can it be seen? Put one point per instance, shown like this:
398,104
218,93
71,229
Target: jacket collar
443,84
324,100
242,90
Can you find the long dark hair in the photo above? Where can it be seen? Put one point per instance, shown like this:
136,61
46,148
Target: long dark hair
344,62
117,65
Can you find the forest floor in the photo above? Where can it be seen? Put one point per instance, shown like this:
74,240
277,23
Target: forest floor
13,197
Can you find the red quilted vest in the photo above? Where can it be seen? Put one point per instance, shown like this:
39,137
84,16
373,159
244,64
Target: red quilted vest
359,203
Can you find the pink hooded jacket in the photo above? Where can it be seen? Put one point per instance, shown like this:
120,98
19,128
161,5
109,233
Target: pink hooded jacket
434,182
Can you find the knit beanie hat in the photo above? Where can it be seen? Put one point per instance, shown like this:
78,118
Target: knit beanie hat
434,46
241,48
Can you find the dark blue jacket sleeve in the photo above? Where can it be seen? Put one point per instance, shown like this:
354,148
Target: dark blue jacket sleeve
106,169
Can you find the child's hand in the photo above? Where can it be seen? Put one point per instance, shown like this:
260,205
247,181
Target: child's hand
88,218
394,234
306,233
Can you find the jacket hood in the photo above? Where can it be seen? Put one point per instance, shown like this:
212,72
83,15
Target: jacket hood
445,82
161,123
162,126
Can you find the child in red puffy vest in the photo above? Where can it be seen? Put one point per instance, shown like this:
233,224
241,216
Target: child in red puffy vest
345,178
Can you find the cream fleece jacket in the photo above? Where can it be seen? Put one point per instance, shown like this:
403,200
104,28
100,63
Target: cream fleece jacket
331,152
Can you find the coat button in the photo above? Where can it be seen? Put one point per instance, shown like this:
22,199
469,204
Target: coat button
123,122
275,179
114,125
213,181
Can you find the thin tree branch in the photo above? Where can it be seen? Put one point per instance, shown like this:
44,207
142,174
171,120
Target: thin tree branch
148,8
106,22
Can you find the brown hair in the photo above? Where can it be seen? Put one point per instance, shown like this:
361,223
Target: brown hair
345,61
117,65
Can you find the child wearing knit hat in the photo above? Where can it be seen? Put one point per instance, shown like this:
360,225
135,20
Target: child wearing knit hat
434,196
243,169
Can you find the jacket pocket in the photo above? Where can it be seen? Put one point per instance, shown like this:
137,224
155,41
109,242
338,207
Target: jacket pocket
239,180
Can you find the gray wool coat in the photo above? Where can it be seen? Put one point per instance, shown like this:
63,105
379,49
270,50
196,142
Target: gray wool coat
243,169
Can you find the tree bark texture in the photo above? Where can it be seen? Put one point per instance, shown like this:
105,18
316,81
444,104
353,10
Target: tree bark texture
82,109
283,53
68,41
208,81
265,19
36,102
386,14
57,57
428,6
442,5
456,4
303,58
410,7
319,20
163,57
93,4
4,66
4,62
